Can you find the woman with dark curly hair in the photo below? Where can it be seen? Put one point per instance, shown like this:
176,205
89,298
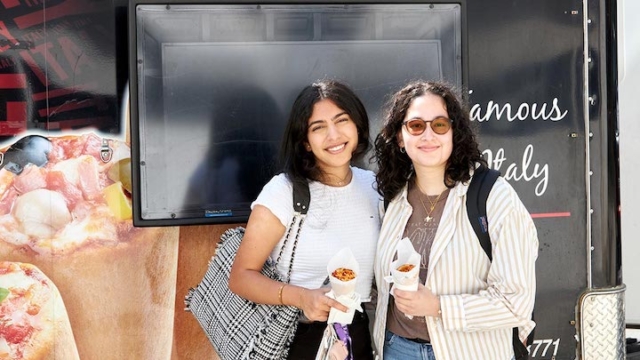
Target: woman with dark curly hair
466,305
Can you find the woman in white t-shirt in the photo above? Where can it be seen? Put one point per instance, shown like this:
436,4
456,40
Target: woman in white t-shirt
327,130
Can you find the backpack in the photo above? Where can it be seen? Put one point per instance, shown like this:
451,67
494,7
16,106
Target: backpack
477,195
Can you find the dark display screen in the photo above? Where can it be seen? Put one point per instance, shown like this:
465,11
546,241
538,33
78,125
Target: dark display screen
214,85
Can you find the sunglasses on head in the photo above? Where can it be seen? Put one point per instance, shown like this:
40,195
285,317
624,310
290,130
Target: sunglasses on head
439,125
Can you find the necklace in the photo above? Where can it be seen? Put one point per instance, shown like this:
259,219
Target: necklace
340,182
433,204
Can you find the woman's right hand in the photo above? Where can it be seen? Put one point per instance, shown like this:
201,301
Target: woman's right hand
316,305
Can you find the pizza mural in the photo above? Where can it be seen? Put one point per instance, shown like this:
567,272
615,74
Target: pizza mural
65,207
77,280
33,319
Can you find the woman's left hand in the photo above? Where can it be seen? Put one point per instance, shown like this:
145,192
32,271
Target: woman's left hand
421,302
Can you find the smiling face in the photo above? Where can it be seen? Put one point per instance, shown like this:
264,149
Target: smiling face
332,137
428,151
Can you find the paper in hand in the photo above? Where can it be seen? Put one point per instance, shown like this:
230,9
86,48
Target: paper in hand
345,266
405,270
343,271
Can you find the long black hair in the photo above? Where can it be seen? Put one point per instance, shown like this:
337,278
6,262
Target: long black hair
395,167
299,164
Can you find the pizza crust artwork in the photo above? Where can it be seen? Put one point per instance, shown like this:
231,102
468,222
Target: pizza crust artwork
70,215
33,319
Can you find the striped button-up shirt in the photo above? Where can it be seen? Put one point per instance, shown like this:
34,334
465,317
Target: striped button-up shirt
481,300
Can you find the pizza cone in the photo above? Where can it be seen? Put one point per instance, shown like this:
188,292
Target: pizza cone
343,269
71,217
405,270
33,319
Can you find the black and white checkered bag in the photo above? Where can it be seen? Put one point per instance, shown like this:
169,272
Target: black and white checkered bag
239,328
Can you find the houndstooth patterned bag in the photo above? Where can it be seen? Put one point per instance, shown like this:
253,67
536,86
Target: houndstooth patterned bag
239,328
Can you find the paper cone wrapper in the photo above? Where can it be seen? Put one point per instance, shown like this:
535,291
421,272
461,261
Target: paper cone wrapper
406,256
351,301
343,259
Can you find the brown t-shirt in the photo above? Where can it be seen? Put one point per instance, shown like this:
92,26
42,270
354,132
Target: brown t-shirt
421,230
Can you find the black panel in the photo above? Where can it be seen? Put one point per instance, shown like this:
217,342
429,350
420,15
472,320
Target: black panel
214,84
525,59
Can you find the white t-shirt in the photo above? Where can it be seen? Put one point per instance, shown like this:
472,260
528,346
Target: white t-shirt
338,217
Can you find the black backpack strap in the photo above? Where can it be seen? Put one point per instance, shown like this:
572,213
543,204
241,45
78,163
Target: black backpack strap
477,195
301,197
519,350
532,334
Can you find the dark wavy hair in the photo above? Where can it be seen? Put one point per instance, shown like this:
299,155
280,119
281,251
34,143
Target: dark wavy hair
395,167
299,164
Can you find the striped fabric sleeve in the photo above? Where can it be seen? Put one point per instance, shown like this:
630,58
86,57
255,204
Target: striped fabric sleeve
508,297
452,307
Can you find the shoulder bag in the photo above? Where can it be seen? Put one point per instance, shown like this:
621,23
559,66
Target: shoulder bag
238,328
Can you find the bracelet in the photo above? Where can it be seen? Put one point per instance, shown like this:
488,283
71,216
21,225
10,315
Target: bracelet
280,294
300,295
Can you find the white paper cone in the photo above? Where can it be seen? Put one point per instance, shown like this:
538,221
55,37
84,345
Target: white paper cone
409,280
351,301
405,280
343,259
406,255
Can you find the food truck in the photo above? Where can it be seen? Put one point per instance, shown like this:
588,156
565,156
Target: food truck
160,122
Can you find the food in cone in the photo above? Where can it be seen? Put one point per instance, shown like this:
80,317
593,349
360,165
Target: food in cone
346,268
405,270
343,269
406,267
343,274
